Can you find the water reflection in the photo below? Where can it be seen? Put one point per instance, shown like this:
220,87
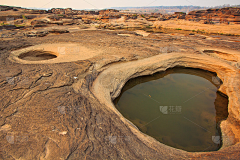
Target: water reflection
179,107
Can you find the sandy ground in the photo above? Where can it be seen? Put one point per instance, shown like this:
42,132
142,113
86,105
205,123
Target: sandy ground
233,29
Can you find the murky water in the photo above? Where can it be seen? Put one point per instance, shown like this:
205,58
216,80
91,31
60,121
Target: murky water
179,107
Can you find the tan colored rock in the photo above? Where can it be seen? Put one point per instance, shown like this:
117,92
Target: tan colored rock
109,83
41,99
223,15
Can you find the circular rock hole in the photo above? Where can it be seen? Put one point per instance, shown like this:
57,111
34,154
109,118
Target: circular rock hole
37,55
180,107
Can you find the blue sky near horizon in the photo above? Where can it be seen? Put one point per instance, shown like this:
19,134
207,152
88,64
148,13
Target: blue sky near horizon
100,4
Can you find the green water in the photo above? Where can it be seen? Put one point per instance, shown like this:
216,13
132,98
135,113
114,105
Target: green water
179,107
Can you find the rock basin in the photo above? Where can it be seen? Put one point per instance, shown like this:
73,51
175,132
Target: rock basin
109,83
179,107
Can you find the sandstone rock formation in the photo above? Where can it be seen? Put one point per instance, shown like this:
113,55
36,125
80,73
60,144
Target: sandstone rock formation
224,15
114,19
57,82
56,109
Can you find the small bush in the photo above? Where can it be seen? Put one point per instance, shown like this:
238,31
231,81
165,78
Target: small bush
4,24
17,25
97,26
148,26
229,34
24,17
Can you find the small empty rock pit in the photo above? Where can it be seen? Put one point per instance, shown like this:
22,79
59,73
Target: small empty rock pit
53,53
37,55
222,55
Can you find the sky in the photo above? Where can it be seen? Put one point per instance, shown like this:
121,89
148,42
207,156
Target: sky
100,4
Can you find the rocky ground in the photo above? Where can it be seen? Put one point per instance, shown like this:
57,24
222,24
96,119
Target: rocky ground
51,111
61,108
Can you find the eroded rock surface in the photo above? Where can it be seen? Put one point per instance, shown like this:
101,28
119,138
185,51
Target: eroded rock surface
223,15
59,111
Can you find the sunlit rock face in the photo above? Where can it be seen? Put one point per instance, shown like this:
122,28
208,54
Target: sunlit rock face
224,15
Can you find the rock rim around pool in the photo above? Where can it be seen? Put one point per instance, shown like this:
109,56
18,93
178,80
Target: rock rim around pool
117,75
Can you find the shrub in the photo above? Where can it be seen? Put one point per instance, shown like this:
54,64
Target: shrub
148,26
17,25
3,24
24,17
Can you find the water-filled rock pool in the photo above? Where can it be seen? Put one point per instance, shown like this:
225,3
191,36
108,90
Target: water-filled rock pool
179,107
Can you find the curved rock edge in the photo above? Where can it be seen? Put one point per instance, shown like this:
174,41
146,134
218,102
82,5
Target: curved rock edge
65,52
109,83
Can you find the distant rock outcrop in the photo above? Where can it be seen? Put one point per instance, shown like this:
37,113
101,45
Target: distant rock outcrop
224,15
108,11
69,11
